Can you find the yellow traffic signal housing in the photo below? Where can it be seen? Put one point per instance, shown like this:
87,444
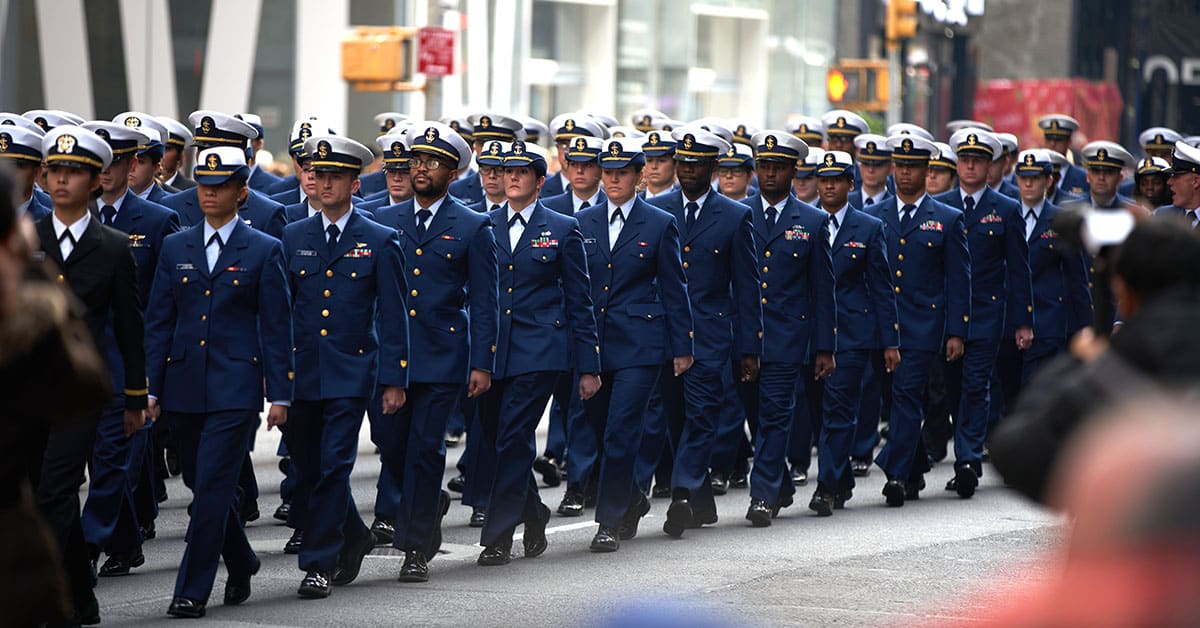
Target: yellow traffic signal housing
901,20
381,58
858,84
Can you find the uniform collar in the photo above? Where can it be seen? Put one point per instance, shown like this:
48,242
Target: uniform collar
77,228
341,222
433,209
224,230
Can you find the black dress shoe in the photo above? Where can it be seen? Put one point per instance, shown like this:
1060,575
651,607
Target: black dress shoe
679,518
661,491
535,533
799,477
704,518
822,504
720,484
965,481
759,513
315,585
237,588
894,491
572,503
860,468
839,500
912,490
293,544
415,568
606,540
478,518
120,565
350,561
495,555
283,512
739,480
285,463
148,531
457,483
629,523
250,512
548,469
383,531
185,608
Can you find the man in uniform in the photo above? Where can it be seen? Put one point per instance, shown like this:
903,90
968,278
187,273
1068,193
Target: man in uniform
1001,296
348,303
290,190
644,320
874,168
927,243
797,314
486,127
179,139
546,299
810,130
1056,134
659,172
218,129
581,171
22,149
723,287
805,183
143,176
1185,184
841,129
998,174
453,311
491,176
261,181
376,182
866,327
398,176
221,327
735,172
1104,162
943,170
567,127
97,266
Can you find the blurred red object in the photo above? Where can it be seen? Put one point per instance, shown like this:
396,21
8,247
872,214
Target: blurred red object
1015,106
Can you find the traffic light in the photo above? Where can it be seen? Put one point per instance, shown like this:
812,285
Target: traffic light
901,20
858,84
380,58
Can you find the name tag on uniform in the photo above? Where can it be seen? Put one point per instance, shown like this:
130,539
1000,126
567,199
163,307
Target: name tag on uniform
185,267
305,253
39,256
589,240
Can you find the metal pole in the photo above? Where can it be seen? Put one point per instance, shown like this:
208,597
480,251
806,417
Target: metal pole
895,84
433,85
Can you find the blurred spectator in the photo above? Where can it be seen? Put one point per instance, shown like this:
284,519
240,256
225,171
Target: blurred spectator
1157,285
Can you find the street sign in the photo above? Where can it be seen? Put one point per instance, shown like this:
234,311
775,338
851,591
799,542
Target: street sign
435,51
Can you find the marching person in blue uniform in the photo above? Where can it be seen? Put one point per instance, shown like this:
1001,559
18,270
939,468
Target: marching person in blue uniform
1057,130
491,176
943,170
22,149
874,168
376,182
260,180
867,327
644,320
486,127
998,178
289,191
581,171
218,129
1151,180
1057,194
148,159
1001,296
547,306
1104,162
454,318
797,315
735,172
110,520
567,127
659,171
1185,184
397,175
841,129
810,130
805,183
348,302
177,141
927,243
723,287
220,328
96,265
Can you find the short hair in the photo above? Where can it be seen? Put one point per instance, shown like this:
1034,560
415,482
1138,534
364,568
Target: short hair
1161,253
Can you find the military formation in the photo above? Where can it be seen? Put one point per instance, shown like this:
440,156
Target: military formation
699,305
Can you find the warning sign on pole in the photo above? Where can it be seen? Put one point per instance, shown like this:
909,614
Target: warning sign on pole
435,51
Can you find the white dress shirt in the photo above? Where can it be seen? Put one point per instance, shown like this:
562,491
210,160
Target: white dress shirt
66,245
614,226
517,229
212,251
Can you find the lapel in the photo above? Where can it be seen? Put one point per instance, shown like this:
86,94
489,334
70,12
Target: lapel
231,253
195,250
349,238
1045,220
45,230
88,242
847,229
533,228
987,202
598,226
500,220
924,212
633,225
441,222
709,213
889,213
130,214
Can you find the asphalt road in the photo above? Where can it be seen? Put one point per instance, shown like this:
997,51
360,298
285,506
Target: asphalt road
935,559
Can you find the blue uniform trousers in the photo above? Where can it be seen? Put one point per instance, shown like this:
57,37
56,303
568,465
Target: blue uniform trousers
773,402
109,520
731,422
416,455
211,447
616,416
655,457
897,458
322,437
509,414
806,420
556,435
387,493
974,372
840,404
478,460
695,404
583,447
875,405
